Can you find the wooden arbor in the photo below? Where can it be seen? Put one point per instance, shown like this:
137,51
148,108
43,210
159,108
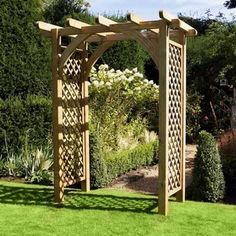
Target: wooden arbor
165,41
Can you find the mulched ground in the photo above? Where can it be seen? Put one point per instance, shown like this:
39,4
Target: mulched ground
145,179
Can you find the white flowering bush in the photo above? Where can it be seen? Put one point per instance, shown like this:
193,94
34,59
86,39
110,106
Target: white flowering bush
118,100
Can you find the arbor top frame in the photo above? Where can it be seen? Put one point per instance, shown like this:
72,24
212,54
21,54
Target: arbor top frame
109,30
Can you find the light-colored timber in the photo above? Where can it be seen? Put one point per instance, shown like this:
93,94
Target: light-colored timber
165,41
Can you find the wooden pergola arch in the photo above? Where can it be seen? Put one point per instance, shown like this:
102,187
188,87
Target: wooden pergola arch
165,41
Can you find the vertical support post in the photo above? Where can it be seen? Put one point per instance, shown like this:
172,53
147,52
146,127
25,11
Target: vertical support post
163,118
180,195
85,109
57,119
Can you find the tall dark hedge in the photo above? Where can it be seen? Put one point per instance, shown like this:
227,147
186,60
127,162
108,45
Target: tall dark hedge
24,55
208,179
31,117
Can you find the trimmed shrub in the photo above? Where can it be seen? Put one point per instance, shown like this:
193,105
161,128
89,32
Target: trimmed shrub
105,168
208,180
98,168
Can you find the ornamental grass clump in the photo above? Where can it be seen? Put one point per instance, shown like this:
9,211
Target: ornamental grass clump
208,179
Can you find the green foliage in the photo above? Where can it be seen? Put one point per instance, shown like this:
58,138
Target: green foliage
125,54
208,180
229,169
212,59
34,164
193,113
19,118
98,168
24,55
57,11
118,105
107,167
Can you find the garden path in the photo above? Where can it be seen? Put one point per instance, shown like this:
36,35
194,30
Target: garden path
145,179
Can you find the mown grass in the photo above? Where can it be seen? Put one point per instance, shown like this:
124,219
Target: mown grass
29,210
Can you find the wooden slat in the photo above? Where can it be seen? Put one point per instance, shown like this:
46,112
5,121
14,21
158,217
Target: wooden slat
57,119
163,118
85,119
137,20
180,196
175,190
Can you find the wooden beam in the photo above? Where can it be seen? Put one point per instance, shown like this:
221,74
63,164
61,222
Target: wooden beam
176,22
79,25
137,20
118,27
97,54
190,31
167,16
46,26
105,21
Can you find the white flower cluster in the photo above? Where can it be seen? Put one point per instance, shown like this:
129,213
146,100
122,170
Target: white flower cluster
131,80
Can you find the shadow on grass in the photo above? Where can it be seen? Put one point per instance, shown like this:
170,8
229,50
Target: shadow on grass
76,200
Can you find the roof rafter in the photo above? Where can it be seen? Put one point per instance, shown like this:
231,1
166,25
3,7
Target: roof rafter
176,22
137,20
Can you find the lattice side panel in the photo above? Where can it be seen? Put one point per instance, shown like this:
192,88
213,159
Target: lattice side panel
72,145
174,123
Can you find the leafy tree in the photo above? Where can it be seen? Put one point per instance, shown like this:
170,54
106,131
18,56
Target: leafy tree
230,4
24,55
56,11
211,59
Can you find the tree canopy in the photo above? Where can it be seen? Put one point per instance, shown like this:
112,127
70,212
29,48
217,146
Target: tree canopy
230,4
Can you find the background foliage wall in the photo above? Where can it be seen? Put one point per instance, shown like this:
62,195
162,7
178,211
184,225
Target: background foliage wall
24,55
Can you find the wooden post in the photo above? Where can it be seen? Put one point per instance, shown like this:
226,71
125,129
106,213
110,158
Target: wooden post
180,195
163,118
85,109
57,119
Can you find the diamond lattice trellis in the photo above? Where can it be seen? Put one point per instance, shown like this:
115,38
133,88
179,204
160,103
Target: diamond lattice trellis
174,122
72,144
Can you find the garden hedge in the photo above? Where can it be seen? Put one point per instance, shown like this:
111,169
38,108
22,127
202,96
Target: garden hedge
106,167
31,117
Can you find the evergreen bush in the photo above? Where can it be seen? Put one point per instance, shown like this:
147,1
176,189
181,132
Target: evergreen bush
31,117
24,54
208,180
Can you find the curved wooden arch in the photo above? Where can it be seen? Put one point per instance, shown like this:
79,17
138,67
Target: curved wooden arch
150,47
97,54
71,48
147,44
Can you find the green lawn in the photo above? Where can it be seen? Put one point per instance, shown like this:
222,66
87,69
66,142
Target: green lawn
29,210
